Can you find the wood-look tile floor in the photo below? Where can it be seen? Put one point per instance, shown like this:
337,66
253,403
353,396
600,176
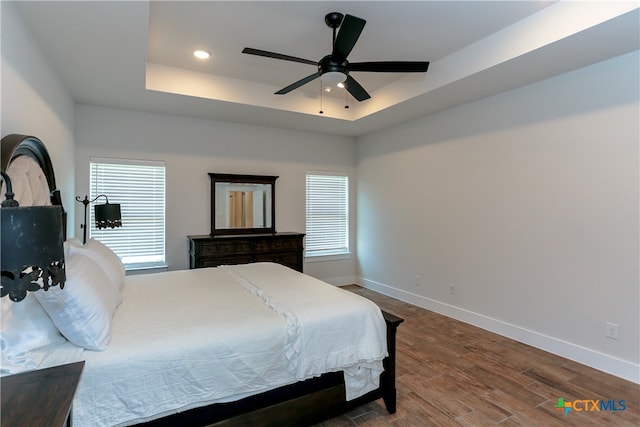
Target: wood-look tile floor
450,373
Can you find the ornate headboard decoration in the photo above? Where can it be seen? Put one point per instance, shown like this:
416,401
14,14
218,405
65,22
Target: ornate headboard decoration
15,145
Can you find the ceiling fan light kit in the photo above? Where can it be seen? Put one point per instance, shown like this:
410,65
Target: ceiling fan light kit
333,78
335,68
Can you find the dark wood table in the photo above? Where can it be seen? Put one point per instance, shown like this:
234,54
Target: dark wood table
40,398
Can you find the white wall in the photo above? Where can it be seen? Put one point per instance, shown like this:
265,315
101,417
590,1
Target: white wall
35,102
527,202
192,148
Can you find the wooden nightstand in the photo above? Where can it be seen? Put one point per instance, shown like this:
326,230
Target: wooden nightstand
40,398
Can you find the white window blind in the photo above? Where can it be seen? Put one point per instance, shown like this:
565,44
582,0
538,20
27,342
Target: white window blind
139,187
327,203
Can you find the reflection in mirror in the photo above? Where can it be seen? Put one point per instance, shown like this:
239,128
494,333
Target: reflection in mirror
242,205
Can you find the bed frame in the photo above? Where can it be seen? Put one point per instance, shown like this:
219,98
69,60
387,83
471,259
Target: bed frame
15,145
302,403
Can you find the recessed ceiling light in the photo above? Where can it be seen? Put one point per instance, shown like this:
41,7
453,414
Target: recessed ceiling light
201,54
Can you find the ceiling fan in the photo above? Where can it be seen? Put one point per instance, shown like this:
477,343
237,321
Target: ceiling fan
334,68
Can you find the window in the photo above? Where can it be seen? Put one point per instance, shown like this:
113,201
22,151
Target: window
327,215
139,187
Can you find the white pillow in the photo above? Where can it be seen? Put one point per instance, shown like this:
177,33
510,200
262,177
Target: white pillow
25,328
74,241
108,261
83,310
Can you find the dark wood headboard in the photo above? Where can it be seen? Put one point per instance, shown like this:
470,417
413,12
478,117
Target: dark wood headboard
15,145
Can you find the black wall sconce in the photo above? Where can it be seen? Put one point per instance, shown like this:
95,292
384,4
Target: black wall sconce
32,247
106,215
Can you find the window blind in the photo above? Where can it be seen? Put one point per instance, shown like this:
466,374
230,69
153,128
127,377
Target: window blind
327,214
139,187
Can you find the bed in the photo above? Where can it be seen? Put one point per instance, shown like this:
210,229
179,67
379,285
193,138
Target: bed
254,344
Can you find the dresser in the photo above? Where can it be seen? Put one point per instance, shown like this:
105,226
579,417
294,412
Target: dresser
282,248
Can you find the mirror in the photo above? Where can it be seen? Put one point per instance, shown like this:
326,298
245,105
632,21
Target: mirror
242,204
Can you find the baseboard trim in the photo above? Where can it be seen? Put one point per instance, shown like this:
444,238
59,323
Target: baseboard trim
603,362
340,280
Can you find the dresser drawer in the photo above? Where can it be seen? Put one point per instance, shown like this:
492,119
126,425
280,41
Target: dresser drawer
278,245
225,260
204,249
236,247
284,258
223,248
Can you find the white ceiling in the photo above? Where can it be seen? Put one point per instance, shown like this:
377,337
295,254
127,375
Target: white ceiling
138,54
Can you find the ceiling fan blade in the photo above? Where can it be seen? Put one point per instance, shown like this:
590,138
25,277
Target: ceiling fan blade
347,37
267,54
390,66
299,83
357,91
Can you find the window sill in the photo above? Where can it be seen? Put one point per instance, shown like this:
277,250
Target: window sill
335,257
132,271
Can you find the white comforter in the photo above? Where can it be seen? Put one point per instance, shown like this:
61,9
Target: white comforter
185,339
327,327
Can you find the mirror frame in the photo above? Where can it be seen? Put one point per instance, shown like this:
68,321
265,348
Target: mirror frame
242,179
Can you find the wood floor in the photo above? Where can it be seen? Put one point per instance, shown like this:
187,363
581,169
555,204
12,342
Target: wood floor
453,374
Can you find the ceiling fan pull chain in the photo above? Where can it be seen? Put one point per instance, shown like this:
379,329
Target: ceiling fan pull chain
321,112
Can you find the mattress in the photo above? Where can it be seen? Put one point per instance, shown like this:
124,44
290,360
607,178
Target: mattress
185,339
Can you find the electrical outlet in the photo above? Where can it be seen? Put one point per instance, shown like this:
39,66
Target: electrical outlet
612,330
452,289
418,280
